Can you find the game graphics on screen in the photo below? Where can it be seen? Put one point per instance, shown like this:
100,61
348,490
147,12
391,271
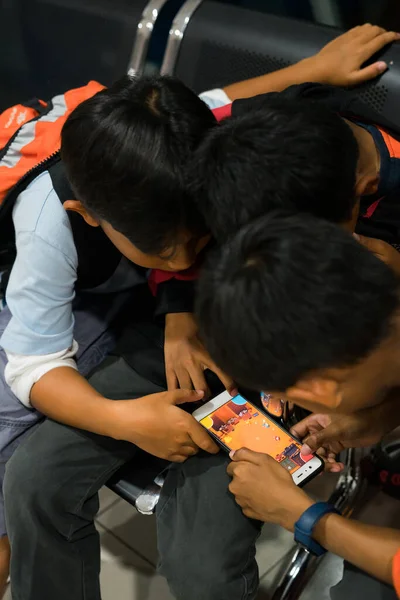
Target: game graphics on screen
239,424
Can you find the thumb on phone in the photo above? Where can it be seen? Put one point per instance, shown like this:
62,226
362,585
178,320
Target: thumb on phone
201,438
182,396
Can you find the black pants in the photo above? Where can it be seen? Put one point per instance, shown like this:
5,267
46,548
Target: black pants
206,545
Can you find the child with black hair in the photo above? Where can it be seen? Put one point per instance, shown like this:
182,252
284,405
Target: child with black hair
78,264
310,148
315,318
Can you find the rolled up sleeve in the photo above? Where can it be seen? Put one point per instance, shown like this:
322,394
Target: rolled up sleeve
22,372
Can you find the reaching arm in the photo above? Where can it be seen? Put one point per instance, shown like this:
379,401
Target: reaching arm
371,549
265,491
65,396
155,423
338,63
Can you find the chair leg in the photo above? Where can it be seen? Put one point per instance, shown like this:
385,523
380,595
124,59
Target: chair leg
147,501
302,564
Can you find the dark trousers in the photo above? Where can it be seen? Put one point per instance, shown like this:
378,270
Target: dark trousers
206,545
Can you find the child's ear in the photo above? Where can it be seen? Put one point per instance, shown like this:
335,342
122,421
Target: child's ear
78,207
366,185
315,390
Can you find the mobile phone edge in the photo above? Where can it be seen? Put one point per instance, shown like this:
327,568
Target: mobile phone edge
197,413
313,474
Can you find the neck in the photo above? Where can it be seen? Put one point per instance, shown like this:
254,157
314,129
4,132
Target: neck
369,161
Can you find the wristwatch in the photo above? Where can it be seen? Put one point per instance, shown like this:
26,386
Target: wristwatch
304,527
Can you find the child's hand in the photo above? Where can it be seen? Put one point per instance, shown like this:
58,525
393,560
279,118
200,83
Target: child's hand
330,434
341,60
157,425
265,490
382,250
185,356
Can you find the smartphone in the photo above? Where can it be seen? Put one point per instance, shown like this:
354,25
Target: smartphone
236,423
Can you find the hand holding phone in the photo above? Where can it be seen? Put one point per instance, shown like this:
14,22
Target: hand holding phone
237,423
264,490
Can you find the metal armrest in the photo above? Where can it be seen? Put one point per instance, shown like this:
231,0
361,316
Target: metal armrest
140,481
144,32
349,488
176,34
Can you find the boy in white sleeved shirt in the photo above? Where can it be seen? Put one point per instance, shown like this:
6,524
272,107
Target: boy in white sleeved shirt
78,263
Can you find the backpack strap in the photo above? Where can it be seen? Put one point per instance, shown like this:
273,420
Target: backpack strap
98,258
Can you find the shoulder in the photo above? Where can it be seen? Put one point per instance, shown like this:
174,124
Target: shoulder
38,211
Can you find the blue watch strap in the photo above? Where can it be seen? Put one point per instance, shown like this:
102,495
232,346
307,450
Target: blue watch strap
303,528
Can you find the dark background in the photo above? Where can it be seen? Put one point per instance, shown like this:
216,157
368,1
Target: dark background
48,46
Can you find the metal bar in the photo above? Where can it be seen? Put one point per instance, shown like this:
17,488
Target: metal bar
302,565
176,34
143,34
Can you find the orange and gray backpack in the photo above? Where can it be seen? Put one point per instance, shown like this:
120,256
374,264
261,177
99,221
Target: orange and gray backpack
30,135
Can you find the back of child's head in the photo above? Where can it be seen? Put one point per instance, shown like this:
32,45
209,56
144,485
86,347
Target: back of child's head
126,151
288,295
291,155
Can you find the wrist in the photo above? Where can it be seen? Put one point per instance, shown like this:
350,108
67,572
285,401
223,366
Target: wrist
323,527
114,417
180,324
172,319
314,69
291,514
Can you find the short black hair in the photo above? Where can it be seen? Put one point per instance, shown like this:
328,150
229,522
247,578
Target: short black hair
290,294
126,151
289,155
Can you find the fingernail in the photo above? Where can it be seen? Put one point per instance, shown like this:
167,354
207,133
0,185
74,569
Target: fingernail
356,237
306,450
234,392
231,454
200,392
381,66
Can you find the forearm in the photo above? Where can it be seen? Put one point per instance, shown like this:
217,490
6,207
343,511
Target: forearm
369,548
305,70
65,396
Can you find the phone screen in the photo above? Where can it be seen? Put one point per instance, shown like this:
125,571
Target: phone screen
238,424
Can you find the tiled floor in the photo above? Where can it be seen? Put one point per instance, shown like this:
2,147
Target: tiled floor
129,550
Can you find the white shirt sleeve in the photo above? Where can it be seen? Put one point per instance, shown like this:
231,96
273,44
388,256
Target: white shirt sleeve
215,98
40,291
39,295
22,371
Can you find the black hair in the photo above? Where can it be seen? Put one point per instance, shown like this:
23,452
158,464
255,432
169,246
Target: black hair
290,294
126,150
289,155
